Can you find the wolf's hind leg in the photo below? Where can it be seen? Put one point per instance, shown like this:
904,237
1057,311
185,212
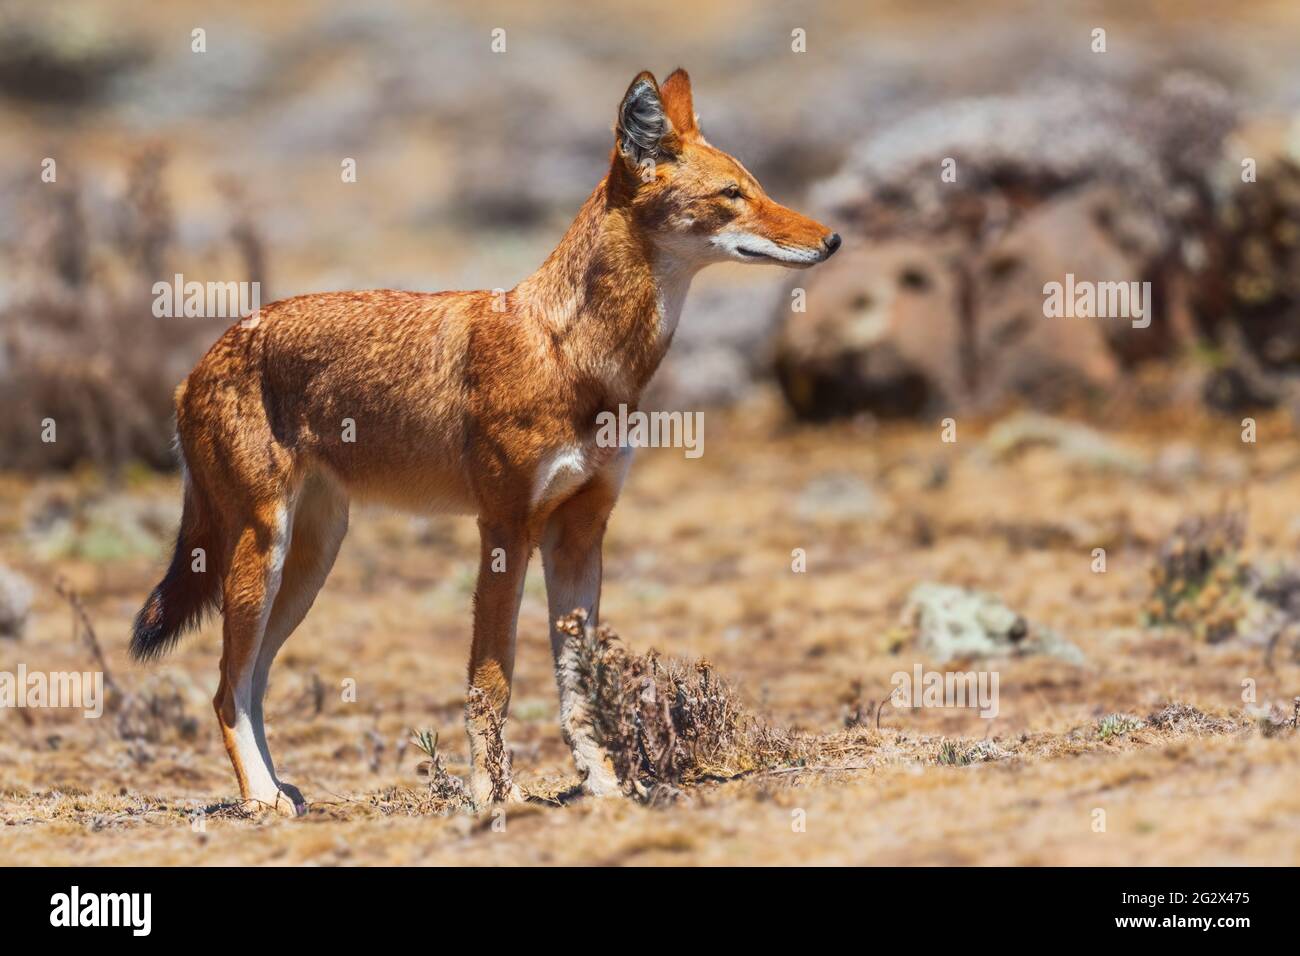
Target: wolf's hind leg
320,522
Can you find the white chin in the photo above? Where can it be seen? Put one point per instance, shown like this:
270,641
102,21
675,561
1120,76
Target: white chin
770,260
747,248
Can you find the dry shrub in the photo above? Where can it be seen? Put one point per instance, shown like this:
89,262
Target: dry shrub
1247,297
1201,582
665,722
1199,579
79,344
156,711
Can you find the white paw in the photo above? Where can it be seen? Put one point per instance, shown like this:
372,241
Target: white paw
602,783
287,801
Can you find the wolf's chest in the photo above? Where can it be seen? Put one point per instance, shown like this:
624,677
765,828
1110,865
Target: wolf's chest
563,470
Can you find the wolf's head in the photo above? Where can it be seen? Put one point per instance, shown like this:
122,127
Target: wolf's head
692,200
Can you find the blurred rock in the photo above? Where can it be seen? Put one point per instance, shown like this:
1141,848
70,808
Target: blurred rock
868,338
706,376
62,55
837,497
15,603
1089,181
1015,151
884,333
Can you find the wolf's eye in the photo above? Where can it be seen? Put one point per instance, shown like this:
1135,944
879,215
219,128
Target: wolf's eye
732,192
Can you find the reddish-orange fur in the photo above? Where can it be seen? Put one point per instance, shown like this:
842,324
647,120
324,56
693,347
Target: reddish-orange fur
460,401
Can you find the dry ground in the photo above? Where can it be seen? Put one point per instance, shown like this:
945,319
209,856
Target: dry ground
699,563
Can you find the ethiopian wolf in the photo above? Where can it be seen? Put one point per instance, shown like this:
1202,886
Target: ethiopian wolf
467,402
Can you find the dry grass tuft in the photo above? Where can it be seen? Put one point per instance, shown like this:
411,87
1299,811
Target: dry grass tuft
1275,721
1118,725
1183,718
444,794
157,713
962,753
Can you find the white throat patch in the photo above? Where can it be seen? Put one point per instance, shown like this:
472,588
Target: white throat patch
672,282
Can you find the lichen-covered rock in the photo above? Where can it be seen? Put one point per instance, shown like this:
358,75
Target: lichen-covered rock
1077,443
951,623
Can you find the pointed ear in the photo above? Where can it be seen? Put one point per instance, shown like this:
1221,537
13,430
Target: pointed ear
676,96
644,132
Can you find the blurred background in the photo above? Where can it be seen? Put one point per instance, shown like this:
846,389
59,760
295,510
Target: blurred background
1146,142
225,164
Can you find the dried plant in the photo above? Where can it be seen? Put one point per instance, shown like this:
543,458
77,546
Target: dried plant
485,715
1247,298
1200,582
157,714
82,627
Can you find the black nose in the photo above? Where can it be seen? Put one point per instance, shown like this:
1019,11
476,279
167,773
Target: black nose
831,242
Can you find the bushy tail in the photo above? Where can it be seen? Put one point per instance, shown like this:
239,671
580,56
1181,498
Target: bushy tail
186,594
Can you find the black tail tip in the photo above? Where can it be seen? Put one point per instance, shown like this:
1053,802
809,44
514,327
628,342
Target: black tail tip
150,636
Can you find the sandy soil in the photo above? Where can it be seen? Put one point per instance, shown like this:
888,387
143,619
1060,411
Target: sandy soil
699,564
